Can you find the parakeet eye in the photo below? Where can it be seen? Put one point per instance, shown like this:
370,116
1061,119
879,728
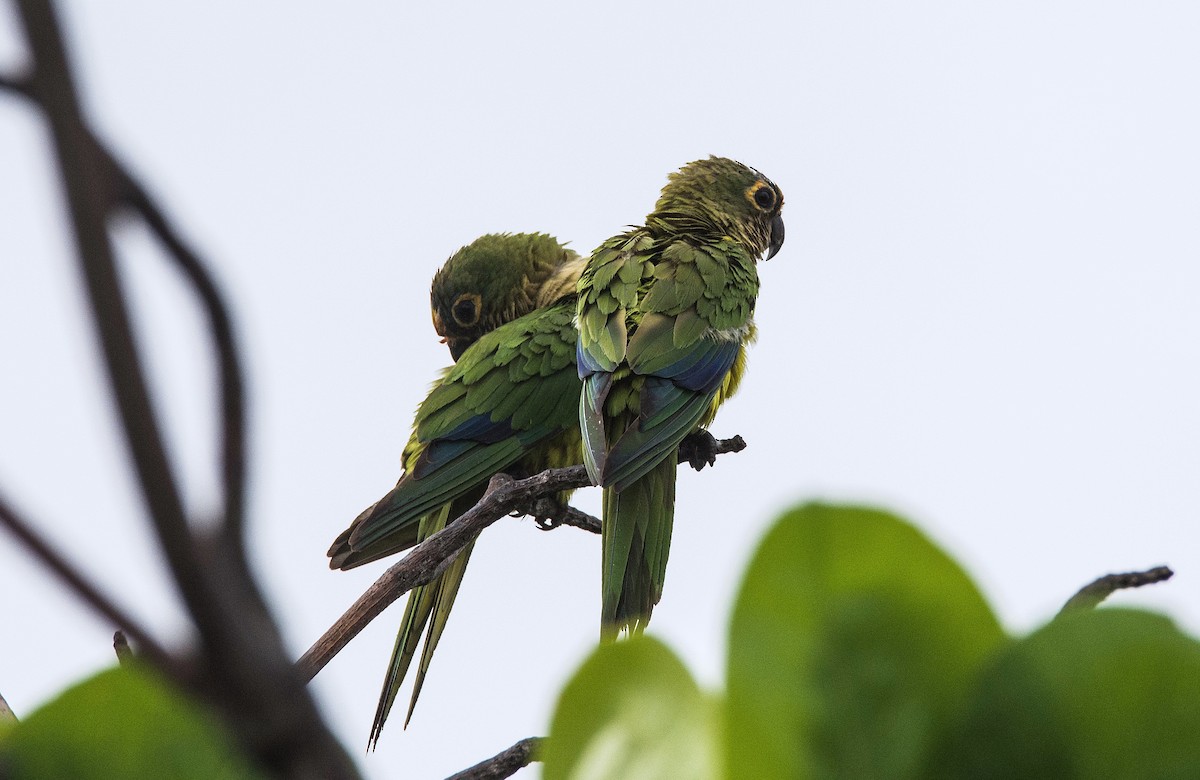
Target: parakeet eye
762,195
466,309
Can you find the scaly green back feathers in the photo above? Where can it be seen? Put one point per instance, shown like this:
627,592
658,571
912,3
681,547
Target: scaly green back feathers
664,312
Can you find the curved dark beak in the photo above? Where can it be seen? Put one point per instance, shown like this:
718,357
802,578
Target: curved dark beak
776,236
457,347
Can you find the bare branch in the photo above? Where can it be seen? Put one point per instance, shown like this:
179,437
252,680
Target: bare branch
434,555
504,764
82,587
430,558
1090,595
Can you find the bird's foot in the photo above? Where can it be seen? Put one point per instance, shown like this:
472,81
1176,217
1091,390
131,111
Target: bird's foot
547,513
698,449
701,448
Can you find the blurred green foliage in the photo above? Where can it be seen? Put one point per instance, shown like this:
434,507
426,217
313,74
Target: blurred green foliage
123,724
858,649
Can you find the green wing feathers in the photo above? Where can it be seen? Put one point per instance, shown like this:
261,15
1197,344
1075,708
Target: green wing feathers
510,392
507,405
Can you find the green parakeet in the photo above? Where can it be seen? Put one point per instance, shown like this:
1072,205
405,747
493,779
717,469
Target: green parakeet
664,315
504,305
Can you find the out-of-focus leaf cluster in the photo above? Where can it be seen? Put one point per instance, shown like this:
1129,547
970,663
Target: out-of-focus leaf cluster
857,649
123,724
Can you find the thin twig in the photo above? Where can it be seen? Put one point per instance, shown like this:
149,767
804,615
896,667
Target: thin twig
434,555
82,587
1090,595
504,764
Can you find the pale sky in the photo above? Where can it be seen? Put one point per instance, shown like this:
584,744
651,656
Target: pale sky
985,316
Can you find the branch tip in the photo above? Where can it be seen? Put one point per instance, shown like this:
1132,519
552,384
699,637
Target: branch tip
503,764
1095,592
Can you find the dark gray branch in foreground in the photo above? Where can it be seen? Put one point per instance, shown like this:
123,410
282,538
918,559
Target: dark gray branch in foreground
89,193
18,86
82,586
122,649
241,666
122,188
504,764
233,405
434,555
1090,595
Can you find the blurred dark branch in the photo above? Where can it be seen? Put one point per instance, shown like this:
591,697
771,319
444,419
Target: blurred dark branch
1091,595
19,86
503,496
121,648
87,591
504,764
242,669
233,408
90,189
125,190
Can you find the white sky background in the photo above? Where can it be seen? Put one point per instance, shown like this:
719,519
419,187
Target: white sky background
985,315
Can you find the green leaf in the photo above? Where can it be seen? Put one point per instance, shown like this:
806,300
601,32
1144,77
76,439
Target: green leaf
122,724
632,711
854,641
1113,694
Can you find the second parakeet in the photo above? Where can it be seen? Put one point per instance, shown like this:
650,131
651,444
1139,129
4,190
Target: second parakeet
504,305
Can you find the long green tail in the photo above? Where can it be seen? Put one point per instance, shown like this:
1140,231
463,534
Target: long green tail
637,539
434,599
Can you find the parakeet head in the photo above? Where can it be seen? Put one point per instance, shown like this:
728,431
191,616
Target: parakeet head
721,197
495,279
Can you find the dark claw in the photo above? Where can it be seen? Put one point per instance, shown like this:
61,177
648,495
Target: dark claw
547,513
698,449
